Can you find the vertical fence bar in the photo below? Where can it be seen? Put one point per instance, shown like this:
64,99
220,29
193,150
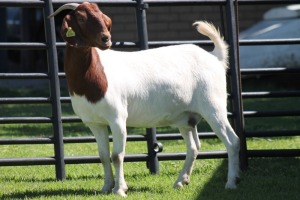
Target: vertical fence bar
152,162
54,91
141,7
235,80
142,24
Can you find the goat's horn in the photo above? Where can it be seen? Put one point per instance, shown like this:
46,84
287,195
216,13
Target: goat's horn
71,6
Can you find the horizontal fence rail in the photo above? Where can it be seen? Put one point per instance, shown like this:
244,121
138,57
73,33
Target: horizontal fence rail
39,46
56,3
152,44
144,157
95,159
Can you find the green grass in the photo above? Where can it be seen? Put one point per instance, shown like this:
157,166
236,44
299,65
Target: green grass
276,178
266,178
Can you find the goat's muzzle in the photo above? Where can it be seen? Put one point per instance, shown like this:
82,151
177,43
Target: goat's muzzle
104,42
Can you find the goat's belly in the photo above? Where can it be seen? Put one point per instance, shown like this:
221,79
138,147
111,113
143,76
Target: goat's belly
182,118
141,116
149,121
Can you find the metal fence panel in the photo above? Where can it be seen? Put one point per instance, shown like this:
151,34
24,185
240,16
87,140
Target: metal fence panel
152,157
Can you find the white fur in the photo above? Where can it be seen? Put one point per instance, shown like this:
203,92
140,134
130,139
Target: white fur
161,87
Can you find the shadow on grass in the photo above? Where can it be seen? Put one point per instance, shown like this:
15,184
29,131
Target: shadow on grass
65,191
48,180
27,180
266,178
51,193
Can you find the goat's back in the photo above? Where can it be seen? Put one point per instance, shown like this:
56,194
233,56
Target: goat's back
172,65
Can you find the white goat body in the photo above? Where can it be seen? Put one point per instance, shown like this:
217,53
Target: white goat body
158,87
168,86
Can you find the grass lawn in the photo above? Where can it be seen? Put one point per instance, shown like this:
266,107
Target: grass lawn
276,178
266,178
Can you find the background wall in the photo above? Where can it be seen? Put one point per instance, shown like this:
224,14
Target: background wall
175,23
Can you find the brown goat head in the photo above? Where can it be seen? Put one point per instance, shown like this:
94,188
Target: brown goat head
85,26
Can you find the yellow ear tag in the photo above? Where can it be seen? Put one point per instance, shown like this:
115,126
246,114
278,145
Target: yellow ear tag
70,32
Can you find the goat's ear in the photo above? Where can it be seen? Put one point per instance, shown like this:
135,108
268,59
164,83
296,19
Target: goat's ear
107,22
70,32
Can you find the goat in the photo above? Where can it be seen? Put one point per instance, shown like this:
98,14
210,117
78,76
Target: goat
173,86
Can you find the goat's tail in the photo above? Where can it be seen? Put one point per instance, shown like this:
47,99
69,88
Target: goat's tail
221,48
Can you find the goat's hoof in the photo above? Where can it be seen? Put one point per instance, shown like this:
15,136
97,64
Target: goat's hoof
180,184
233,183
107,188
230,186
120,192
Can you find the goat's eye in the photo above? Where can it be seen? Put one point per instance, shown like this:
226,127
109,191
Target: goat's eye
80,20
80,16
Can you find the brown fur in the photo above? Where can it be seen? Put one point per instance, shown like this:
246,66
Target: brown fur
84,71
88,28
85,74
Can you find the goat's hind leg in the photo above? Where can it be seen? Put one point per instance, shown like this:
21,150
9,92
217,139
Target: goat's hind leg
101,135
221,126
188,135
233,158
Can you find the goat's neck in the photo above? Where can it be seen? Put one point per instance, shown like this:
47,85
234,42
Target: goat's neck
85,73
77,59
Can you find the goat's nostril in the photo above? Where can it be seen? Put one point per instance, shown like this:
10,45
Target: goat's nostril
105,39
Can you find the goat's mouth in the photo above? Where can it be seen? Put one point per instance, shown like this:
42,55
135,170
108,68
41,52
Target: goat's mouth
104,45
103,42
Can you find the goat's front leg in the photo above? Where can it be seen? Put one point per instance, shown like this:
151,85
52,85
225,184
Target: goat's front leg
119,141
192,152
101,135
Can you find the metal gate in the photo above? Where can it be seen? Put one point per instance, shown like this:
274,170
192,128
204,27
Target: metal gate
153,156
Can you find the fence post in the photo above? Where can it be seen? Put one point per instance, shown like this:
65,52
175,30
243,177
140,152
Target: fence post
235,82
142,24
3,37
141,7
54,91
